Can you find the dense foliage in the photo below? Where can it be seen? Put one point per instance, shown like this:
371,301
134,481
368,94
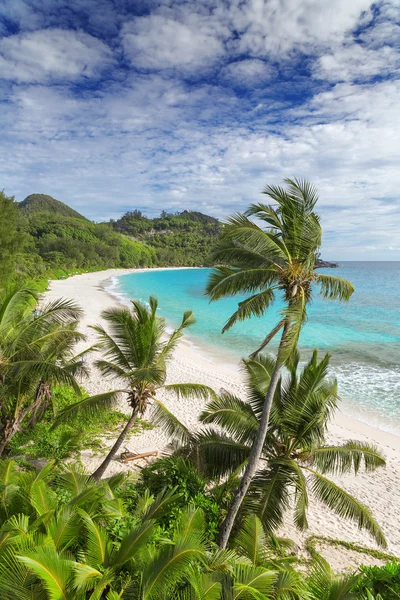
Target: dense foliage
183,239
10,237
65,241
380,582
35,203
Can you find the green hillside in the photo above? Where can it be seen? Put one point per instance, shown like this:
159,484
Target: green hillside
35,203
183,239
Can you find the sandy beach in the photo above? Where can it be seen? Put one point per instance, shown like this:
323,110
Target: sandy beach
379,490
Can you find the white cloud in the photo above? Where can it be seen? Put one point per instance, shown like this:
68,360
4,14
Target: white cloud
274,27
357,62
249,72
159,42
51,53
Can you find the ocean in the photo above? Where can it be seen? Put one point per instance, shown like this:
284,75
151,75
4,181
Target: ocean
362,336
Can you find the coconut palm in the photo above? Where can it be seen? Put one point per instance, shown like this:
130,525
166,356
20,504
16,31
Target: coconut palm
279,256
136,351
295,457
36,352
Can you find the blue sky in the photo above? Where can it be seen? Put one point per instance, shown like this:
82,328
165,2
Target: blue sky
187,104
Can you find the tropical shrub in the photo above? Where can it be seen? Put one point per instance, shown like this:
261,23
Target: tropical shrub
383,581
59,541
175,472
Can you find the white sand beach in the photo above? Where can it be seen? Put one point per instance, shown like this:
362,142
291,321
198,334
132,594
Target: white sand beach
379,490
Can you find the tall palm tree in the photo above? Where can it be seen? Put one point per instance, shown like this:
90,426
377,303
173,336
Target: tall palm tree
136,352
36,352
280,256
295,457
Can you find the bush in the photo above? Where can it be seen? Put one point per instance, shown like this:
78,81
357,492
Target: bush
175,472
383,581
60,443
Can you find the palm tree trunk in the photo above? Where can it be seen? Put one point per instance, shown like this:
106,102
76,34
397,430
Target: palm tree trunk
256,450
10,429
99,472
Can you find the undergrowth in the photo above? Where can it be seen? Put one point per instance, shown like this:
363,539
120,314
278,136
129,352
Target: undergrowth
67,440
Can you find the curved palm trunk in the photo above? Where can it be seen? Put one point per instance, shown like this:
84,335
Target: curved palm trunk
99,472
256,450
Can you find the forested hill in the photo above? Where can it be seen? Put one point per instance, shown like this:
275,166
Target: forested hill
183,239
50,239
54,240
42,203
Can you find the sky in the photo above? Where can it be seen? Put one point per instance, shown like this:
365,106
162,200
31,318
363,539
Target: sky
114,105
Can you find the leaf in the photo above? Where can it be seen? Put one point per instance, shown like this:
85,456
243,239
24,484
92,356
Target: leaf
335,288
175,429
133,541
346,506
97,542
349,456
53,571
251,540
87,407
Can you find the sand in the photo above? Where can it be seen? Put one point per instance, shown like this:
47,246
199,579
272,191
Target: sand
380,490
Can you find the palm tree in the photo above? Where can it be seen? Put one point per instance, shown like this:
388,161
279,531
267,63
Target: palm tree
295,457
36,352
136,352
281,257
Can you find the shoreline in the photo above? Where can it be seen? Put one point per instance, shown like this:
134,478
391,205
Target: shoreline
379,490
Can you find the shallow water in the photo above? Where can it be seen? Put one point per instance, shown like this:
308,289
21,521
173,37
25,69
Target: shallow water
363,336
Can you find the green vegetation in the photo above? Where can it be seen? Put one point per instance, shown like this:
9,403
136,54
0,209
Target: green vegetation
10,237
282,256
42,441
136,350
64,240
39,203
36,353
379,582
184,239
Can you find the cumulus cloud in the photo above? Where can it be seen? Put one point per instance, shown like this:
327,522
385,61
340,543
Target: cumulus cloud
249,72
51,54
159,42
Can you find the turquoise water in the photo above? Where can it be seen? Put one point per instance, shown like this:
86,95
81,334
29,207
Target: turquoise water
363,336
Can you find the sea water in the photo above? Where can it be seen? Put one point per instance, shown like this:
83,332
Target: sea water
362,336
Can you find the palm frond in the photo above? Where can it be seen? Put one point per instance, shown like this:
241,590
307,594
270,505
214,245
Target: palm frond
251,540
252,582
235,416
175,429
335,288
349,456
88,406
219,454
97,543
255,306
345,505
133,541
229,281
191,390
53,571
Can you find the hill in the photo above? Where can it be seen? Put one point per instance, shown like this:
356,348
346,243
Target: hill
35,203
181,239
